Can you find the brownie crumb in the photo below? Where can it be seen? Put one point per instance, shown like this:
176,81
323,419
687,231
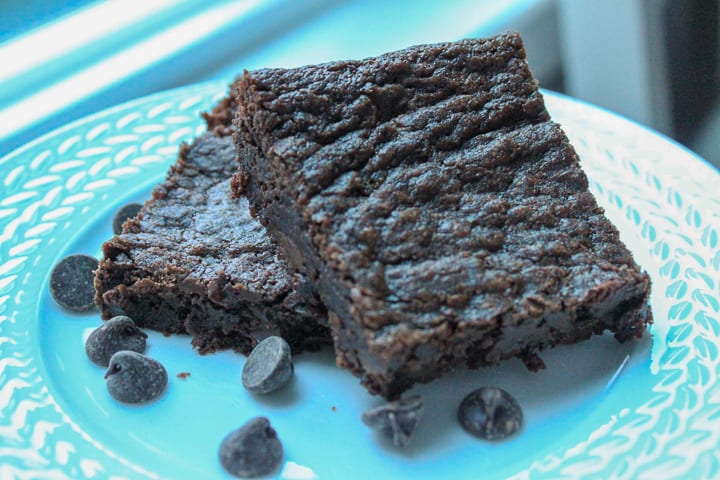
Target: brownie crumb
532,362
183,375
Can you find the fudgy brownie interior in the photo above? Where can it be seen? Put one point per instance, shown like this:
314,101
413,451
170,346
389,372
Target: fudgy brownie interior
195,261
439,213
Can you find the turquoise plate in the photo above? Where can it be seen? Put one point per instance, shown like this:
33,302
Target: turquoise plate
648,409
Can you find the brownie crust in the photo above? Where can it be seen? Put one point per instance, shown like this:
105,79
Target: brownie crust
195,261
441,216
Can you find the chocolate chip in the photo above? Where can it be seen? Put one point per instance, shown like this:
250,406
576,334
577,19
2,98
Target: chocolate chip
118,333
490,413
124,213
268,367
396,420
71,282
253,450
135,378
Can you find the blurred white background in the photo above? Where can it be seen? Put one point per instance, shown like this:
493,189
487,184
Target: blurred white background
655,61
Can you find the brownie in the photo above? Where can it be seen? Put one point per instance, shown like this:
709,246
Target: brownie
195,261
441,216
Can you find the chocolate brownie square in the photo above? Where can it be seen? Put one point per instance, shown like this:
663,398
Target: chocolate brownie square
440,214
195,261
